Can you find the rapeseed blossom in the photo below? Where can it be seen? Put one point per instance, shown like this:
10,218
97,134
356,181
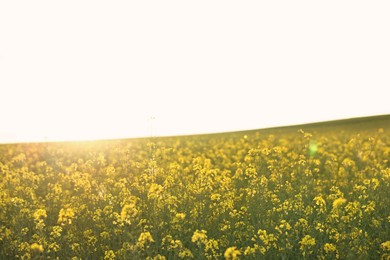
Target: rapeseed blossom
232,253
338,202
35,247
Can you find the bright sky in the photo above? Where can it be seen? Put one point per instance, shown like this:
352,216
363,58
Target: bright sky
101,69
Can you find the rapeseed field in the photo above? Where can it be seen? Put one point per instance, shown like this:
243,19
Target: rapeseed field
294,193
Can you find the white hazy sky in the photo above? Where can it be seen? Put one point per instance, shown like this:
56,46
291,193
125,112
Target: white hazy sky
100,69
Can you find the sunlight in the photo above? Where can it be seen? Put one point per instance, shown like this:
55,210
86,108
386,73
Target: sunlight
103,74
93,128
61,121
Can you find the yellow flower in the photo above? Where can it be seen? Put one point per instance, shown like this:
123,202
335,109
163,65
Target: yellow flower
215,197
180,216
329,248
129,211
65,216
283,227
307,243
155,191
347,162
232,253
56,232
40,214
145,237
385,246
375,183
109,255
199,236
338,202
211,248
320,202
159,257
36,248
186,254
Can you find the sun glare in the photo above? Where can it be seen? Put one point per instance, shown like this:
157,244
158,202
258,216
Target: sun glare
106,71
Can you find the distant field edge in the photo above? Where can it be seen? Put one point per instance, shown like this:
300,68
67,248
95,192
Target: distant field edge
354,123
367,122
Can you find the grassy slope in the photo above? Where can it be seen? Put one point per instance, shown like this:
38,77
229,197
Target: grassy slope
358,124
